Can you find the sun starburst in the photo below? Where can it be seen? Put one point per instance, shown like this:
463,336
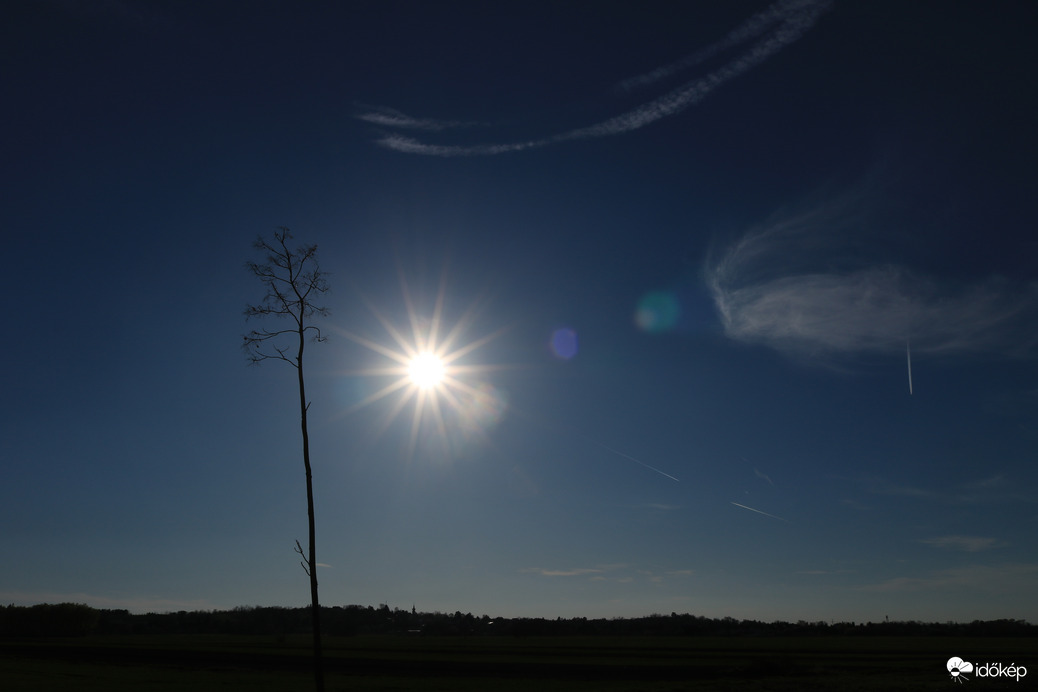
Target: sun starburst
428,369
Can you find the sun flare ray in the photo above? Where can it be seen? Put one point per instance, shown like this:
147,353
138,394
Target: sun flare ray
472,346
404,358
451,401
380,394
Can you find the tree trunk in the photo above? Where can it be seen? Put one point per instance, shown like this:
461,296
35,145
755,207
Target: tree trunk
315,606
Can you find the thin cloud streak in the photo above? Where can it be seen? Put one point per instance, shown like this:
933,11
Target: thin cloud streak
574,572
1002,579
993,490
390,117
760,512
760,474
969,544
794,18
637,461
908,352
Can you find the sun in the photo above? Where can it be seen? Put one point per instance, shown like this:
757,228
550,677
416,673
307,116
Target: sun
426,370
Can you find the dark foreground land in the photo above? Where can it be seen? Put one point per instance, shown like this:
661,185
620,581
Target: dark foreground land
200,663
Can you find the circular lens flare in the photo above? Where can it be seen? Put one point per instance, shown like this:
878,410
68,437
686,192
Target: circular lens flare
426,370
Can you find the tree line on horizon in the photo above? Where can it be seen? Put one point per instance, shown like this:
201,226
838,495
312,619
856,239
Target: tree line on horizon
75,619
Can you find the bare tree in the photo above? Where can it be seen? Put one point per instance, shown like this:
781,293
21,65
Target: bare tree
293,281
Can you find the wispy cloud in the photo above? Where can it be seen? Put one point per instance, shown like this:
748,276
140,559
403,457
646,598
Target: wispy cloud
1005,578
990,490
854,504
573,572
996,481
779,13
619,573
790,286
778,26
969,544
562,572
881,487
656,506
390,117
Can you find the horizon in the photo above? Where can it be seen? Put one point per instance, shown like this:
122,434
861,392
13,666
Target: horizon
735,302
497,616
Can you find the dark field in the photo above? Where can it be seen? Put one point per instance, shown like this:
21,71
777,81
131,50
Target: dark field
635,664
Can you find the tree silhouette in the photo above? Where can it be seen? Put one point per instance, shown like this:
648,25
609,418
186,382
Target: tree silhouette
293,281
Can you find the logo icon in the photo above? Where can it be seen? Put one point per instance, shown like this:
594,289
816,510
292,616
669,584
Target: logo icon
957,667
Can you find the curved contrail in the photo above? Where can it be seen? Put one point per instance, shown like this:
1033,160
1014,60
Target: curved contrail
792,18
751,28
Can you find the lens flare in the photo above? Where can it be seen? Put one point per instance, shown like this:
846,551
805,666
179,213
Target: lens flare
564,343
657,312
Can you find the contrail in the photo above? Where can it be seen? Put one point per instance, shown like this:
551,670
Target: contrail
627,456
754,26
391,117
787,20
760,512
908,351
760,474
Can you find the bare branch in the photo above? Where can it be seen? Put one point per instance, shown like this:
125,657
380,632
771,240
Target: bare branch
304,562
291,278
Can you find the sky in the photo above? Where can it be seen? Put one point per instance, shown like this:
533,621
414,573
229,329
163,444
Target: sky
738,303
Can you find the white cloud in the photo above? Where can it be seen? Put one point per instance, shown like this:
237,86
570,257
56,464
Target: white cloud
787,20
796,19
790,286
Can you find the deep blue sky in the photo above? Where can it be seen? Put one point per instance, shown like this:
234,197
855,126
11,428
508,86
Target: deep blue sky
742,213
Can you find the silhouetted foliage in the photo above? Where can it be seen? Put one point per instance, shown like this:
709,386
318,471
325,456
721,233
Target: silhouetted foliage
49,620
69,619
